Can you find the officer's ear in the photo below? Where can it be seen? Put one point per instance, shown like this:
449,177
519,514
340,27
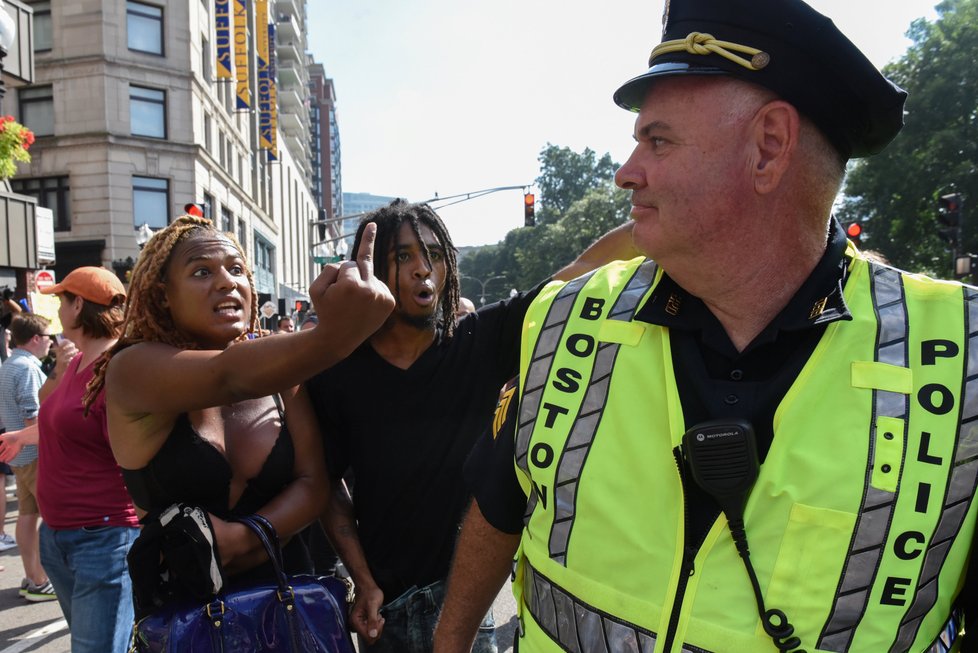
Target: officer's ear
775,139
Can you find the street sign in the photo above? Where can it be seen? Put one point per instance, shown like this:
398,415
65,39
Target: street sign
45,235
43,279
268,309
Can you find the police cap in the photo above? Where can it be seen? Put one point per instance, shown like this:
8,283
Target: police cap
787,47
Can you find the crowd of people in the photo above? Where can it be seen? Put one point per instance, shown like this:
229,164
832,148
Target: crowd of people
720,428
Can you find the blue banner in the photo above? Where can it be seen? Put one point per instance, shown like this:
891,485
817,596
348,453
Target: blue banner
222,22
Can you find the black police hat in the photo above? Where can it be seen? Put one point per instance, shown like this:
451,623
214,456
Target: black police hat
787,47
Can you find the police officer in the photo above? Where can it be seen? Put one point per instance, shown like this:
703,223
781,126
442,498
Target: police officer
625,478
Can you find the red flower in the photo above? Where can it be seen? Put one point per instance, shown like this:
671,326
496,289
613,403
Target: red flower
14,141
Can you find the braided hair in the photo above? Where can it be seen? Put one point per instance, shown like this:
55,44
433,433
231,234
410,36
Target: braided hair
147,318
389,220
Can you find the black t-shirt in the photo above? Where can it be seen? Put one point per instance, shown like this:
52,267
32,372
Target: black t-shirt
405,435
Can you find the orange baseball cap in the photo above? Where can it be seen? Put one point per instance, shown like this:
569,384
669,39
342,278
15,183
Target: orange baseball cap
97,285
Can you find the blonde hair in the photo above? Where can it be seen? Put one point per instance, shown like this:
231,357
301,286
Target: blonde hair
147,318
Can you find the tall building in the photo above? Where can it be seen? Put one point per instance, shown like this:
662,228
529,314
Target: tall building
355,205
141,107
327,181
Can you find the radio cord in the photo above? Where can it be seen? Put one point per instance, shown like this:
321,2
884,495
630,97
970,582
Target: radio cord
775,621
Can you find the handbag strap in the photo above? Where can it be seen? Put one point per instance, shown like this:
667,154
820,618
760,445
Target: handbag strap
269,539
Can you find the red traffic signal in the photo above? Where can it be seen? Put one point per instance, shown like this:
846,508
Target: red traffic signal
949,217
854,230
950,204
529,214
196,210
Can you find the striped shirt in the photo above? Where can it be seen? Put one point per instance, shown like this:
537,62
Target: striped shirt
20,380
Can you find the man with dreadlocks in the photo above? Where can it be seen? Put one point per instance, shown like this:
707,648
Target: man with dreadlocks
192,419
431,384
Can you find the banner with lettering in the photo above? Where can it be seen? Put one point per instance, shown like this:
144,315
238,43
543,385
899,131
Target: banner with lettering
264,79
272,94
222,21
241,67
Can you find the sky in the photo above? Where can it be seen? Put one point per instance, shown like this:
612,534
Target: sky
450,97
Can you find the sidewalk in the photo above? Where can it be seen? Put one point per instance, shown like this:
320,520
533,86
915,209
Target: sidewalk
25,626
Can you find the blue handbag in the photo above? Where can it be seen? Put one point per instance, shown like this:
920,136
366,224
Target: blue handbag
294,614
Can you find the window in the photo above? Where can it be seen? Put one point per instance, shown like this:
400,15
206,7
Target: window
147,112
208,206
207,132
144,24
42,26
264,256
220,148
227,219
243,235
37,109
150,202
51,193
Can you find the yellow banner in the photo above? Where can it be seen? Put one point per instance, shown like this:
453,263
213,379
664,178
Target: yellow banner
241,67
222,23
264,77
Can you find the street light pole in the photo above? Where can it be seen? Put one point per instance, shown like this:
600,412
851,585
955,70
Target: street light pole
482,285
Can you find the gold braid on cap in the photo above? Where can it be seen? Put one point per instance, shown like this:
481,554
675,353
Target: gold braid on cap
700,43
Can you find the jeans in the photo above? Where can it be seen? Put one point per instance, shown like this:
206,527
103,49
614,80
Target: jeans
409,624
87,567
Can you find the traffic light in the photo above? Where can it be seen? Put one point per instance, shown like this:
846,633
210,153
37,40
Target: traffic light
301,306
194,209
854,231
529,216
949,216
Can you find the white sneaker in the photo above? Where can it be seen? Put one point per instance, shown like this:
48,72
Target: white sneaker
6,542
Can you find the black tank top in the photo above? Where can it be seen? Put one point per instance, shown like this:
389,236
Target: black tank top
189,469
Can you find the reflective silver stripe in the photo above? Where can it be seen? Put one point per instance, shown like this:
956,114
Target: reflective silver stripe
949,633
545,350
960,490
578,627
535,378
873,520
585,426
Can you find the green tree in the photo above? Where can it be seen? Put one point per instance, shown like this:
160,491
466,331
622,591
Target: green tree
553,246
896,191
579,203
566,176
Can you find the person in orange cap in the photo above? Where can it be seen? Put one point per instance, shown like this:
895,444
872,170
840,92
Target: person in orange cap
89,521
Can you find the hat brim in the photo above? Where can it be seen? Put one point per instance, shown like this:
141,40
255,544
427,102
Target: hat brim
631,94
52,290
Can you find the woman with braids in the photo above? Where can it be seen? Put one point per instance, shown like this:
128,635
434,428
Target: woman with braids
193,414
433,383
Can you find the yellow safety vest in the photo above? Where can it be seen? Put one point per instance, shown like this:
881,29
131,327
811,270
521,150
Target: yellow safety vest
860,523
